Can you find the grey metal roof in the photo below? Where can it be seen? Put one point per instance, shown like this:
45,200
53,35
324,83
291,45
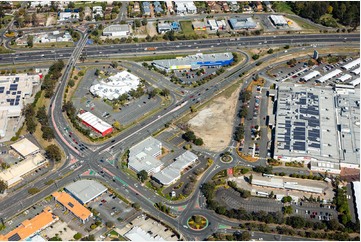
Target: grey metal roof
173,171
116,28
242,23
306,123
86,190
142,155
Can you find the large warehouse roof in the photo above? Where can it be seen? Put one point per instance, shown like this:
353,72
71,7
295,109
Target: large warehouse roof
302,113
310,75
138,234
30,226
94,121
86,190
355,82
357,197
72,205
14,174
329,75
352,64
25,147
116,85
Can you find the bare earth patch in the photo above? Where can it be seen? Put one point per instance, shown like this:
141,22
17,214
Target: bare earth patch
214,124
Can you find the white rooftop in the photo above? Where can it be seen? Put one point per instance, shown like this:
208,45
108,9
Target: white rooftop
329,75
115,86
278,19
352,64
25,147
142,156
138,234
94,121
311,75
344,77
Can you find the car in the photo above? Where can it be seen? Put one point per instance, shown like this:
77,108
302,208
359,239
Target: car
101,160
113,208
100,204
112,141
103,201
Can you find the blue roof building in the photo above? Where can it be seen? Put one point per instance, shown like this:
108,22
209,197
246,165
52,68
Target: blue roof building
175,26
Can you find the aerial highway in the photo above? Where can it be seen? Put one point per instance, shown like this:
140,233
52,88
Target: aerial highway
117,178
172,46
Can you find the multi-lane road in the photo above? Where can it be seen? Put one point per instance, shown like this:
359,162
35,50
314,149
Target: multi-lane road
174,46
116,178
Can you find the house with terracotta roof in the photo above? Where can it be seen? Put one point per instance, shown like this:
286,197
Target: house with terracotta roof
71,204
30,227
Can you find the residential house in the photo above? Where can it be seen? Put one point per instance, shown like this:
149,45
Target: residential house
169,6
225,7
185,7
63,16
164,27
157,7
98,10
136,7
87,12
146,8
233,6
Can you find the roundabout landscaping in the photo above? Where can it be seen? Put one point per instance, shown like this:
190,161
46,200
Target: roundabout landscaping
197,222
226,158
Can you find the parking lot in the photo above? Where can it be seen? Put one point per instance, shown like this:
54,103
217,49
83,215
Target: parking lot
190,76
126,114
295,72
111,208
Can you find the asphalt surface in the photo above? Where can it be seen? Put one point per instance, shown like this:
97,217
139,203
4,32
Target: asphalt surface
139,49
116,178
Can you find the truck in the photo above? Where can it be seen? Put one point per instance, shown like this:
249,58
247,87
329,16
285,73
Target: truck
151,48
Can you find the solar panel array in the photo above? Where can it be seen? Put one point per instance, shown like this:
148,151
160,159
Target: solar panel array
298,124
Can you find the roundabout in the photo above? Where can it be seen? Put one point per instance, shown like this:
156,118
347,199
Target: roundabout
226,158
197,222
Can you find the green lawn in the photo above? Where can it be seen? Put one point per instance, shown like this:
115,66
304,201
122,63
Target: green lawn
187,27
282,7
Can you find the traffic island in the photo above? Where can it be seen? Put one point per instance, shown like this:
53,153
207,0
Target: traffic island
197,222
226,158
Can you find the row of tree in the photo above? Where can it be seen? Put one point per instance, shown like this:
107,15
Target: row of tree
50,79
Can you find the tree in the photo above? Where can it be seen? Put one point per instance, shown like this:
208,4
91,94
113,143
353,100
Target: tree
137,23
77,236
53,152
114,64
30,41
270,51
250,178
136,205
109,224
97,72
189,136
142,175
71,83
198,141
90,237
329,9
3,186
117,125
286,199
287,210
255,57
144,21
41,115
71,5
48,133
165,92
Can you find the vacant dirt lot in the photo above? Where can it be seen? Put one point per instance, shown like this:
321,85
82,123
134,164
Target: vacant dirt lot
214,124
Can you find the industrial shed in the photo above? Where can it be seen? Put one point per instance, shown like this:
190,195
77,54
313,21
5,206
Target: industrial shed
95,123
310,75
328,76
